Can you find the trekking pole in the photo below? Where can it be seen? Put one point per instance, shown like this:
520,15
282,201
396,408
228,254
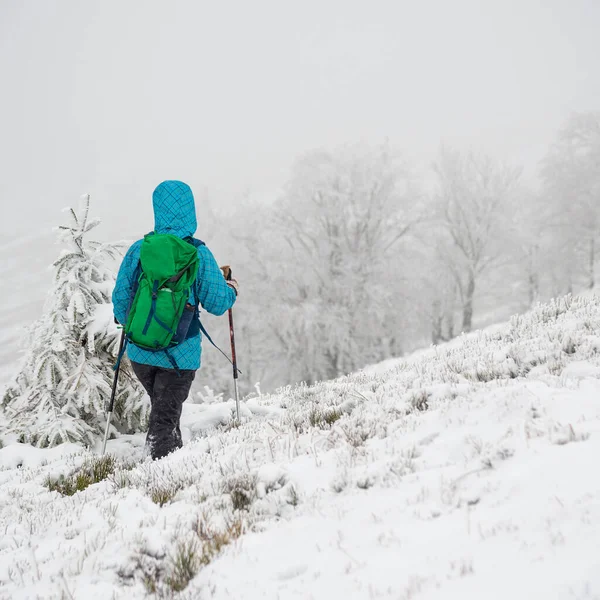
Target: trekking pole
234,359
114,391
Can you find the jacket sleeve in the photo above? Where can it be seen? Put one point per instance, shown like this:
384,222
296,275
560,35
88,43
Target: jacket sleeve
212,291
121,296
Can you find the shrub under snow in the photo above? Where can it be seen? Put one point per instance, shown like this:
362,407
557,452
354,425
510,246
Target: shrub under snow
65,381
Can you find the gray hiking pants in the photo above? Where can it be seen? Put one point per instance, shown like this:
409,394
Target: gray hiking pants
168,391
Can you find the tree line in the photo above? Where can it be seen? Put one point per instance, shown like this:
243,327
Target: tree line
358,260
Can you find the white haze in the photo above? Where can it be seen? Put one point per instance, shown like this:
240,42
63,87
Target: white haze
308,133
111,97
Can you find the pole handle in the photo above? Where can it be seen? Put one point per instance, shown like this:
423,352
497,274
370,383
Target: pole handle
226,272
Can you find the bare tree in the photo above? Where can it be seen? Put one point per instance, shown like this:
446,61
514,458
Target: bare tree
475,200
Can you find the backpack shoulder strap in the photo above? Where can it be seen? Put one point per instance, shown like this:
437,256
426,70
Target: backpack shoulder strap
195,242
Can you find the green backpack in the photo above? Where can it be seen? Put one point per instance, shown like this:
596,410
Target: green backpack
169,266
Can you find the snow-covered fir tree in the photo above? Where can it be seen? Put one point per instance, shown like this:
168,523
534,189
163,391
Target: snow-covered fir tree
61,391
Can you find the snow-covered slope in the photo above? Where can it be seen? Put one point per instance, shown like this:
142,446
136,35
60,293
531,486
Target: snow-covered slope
467,471
24,262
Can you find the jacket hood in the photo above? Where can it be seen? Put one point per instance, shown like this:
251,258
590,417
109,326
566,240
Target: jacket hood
174,209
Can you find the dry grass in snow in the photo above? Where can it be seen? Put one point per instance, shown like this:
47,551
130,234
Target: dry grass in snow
466,471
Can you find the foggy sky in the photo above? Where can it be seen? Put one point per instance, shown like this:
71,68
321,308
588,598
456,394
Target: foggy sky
113,97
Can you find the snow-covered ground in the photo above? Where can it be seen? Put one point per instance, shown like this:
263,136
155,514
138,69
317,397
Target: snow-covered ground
466,471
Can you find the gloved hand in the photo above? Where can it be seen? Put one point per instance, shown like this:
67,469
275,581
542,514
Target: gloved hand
230,281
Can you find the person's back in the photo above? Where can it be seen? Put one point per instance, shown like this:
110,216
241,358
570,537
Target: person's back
167,375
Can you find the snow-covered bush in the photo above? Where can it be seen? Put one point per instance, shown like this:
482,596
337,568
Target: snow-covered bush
60,393
208,396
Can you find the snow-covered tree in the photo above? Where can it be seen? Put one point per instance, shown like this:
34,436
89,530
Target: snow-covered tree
571,189
476,201
338,271
60,393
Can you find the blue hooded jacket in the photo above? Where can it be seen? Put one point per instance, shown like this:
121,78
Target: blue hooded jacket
174,213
